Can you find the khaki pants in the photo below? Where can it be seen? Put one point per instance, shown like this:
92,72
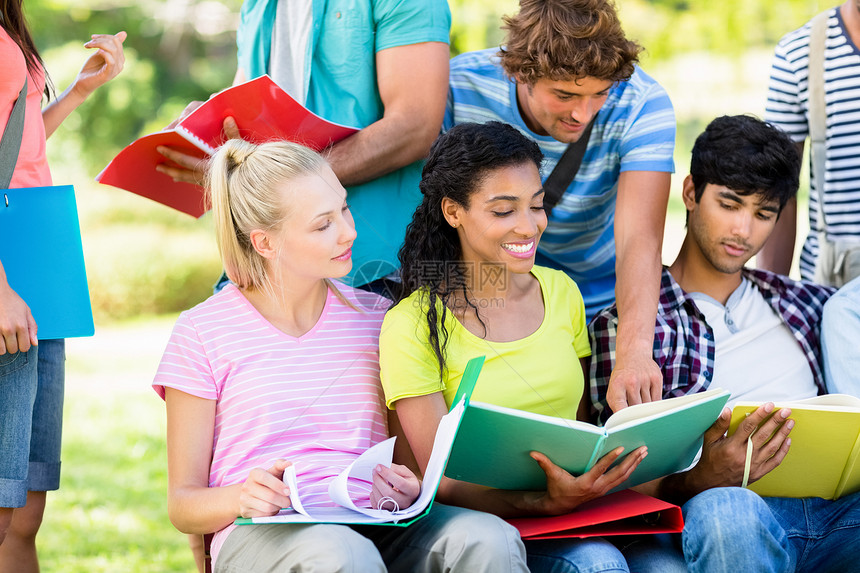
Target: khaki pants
447,539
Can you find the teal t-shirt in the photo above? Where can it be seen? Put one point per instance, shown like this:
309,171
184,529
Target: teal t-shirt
341,87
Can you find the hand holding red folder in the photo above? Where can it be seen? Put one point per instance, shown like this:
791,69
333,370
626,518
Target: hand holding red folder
190,168
262,111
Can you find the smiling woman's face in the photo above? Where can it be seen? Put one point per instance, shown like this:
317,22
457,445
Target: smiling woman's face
504,220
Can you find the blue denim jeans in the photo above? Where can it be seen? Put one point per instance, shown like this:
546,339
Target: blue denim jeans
572,555
31,417
733,529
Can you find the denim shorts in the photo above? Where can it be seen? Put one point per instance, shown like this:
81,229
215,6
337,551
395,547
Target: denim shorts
31,419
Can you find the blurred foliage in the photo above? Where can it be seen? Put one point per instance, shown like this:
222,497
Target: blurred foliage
143,257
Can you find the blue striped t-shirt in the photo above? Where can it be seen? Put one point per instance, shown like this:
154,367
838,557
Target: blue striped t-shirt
788,108
634,131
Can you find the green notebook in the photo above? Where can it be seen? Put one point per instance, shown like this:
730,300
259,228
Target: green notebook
493,444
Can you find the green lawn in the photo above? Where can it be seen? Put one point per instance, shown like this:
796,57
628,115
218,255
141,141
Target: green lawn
110,512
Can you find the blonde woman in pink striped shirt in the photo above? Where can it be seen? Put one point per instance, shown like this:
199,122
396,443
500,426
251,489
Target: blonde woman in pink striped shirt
282,367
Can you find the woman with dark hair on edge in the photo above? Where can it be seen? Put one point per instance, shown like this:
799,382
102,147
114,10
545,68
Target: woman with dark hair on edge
32,370
471,288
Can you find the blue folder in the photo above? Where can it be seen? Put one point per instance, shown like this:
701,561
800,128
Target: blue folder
40,248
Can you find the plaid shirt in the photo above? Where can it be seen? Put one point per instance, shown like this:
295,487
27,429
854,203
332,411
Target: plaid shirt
684,342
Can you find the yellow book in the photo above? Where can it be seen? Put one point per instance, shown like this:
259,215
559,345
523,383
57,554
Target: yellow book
825,441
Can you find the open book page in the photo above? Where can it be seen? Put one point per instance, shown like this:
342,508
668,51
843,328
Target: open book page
493,444
836,402
541,418
672,435
641,412
362,468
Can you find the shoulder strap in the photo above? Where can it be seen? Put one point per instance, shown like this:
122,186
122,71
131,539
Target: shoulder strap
817,109
565,170
11,142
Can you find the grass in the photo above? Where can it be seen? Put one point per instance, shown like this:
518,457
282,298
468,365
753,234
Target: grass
110,513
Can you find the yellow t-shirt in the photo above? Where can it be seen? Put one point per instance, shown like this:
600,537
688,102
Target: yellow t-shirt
540,373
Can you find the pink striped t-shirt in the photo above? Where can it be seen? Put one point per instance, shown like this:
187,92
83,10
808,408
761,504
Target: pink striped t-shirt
315,400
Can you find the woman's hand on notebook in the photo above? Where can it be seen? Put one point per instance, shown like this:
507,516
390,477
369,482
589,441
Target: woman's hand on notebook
565,492
264,492
395,484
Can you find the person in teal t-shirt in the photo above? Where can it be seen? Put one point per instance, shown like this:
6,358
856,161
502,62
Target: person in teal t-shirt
379,65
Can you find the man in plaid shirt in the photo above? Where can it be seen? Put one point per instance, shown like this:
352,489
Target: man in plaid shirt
753,333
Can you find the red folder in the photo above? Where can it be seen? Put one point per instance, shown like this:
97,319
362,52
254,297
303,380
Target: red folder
263,112
623,513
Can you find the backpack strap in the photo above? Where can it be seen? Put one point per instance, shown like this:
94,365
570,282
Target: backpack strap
12,135
565,170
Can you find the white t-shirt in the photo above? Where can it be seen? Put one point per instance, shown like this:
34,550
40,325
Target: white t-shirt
288,58
757,357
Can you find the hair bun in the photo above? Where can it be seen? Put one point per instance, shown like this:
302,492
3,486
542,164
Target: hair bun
237,151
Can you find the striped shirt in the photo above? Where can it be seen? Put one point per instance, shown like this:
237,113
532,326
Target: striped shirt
315,400
788,108
684,345
634,131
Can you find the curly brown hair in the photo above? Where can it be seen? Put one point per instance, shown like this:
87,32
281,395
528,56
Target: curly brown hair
567,39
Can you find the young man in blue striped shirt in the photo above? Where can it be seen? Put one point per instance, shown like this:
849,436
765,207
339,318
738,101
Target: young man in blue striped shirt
566,62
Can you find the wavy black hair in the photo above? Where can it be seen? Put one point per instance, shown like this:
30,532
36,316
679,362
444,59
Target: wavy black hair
431,255
747,155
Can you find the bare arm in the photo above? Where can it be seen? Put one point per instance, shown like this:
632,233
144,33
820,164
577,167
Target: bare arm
640,216
420,417
100,67
778,252
413,86
193,506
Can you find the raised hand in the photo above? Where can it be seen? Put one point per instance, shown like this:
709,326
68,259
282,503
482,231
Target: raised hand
103,65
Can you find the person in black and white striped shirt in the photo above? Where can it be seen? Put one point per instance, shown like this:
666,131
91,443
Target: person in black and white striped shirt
788,108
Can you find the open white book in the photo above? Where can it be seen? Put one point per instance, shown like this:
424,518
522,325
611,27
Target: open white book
362,468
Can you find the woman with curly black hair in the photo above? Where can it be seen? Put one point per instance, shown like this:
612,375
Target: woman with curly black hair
471,288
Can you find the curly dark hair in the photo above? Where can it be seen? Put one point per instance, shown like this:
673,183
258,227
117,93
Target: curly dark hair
567,40
431,255
747,155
